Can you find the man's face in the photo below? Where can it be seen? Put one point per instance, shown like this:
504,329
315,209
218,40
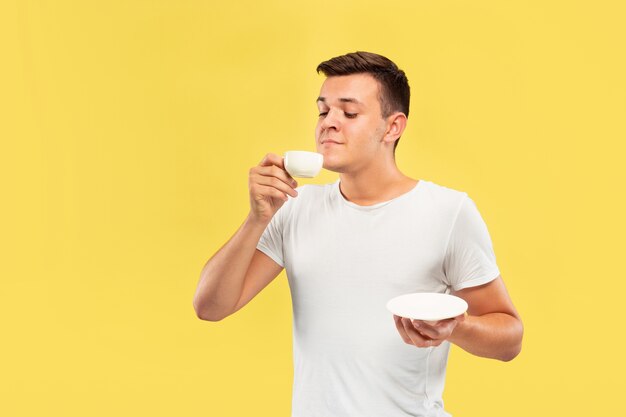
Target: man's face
350,126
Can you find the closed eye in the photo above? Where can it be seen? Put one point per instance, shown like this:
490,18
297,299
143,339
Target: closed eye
348,115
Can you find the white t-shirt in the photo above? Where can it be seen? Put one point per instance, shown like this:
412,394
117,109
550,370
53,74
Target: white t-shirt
343,263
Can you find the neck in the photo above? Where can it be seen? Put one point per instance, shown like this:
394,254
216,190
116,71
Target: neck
375,184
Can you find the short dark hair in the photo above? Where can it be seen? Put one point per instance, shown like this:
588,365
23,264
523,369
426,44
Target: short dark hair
395,92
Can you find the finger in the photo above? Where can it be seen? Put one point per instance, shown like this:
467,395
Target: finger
262,192
435,343
418,339
274,171
427,331
272,159
275,183
441,330
401,330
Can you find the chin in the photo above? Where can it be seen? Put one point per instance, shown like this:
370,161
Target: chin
334,168
331,164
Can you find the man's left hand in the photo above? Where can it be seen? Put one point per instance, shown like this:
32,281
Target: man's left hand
426,334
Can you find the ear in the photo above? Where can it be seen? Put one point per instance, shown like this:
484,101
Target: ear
396,123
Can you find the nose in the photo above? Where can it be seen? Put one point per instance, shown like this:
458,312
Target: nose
331,120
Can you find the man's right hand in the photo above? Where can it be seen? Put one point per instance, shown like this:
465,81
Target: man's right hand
269,184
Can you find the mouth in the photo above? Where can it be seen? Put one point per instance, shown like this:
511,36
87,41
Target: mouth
330,142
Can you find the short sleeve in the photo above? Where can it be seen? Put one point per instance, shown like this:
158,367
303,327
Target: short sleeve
271,241
469,259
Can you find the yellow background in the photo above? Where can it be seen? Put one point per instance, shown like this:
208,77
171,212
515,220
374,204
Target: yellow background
128,128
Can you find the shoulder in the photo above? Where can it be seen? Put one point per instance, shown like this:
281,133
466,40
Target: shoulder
454,205
442,197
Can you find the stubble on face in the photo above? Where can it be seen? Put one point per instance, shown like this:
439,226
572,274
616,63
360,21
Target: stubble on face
360,137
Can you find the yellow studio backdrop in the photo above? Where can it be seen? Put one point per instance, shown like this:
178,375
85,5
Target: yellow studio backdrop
128,128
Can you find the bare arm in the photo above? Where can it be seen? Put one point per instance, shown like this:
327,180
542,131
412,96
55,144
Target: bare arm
223,276
238,271
492,328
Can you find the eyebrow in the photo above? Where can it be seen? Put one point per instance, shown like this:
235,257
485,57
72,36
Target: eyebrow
342,99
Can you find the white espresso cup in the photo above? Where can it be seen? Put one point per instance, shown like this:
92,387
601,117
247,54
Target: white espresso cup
303,164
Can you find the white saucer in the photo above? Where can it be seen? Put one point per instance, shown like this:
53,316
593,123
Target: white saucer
427,306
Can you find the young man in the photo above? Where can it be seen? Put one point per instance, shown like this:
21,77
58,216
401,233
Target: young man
350,246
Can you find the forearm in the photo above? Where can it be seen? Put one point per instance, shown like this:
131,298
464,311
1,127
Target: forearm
493,335
222,278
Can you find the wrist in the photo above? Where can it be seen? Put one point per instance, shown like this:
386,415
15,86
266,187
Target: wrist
256,223
461,330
